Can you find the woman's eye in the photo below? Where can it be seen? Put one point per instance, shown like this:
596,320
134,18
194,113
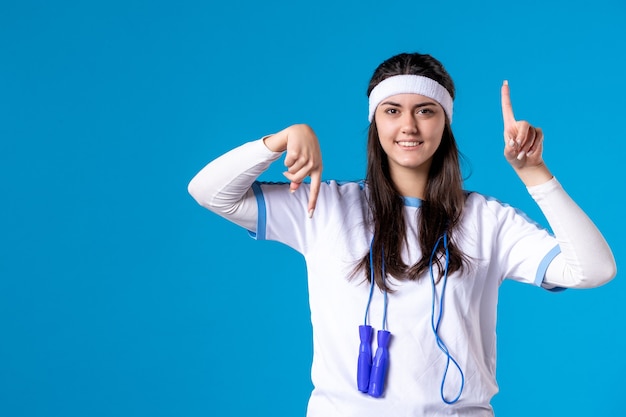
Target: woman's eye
391,111
425,110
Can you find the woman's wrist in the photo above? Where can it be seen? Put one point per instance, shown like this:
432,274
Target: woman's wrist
534,175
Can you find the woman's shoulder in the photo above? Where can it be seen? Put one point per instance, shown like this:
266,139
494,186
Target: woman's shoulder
343,192
330,184
332,193
346,186
484,205
475,198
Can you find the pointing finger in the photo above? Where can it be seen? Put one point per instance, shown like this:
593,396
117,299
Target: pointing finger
316,180
507,107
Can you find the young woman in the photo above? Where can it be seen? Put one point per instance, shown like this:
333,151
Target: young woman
422,343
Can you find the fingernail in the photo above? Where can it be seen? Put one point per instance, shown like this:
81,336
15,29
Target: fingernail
521,155
529,153
291,190
506,82
311,213
511,143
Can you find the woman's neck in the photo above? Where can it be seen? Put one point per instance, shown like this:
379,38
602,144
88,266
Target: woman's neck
410,182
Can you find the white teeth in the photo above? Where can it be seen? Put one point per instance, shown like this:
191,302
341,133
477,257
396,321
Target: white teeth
403,143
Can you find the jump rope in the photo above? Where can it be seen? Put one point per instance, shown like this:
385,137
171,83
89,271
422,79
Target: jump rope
371,372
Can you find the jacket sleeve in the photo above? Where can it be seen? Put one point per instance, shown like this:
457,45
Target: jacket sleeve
586,260
224,185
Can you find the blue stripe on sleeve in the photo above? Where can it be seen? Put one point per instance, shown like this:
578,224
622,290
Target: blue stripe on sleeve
262,213
543,266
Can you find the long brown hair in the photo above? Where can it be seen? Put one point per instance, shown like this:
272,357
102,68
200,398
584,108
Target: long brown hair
444,197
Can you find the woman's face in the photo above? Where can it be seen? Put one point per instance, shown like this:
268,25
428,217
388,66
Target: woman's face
410,127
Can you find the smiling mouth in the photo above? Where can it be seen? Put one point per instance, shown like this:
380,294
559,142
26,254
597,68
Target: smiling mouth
409,143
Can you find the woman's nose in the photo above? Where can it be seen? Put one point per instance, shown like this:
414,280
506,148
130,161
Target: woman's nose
409,124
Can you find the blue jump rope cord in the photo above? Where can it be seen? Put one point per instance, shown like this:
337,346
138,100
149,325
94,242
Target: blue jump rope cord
369,300
440,343
442,346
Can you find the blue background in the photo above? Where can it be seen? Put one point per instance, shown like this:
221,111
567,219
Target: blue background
120,296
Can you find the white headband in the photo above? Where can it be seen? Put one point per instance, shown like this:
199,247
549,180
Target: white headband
410,84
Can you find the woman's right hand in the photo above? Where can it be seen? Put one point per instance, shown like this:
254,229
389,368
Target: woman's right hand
303,159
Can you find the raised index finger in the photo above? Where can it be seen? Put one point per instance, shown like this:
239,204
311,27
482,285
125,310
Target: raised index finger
507,107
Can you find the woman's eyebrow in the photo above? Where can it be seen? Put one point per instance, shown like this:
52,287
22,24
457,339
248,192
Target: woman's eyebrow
393,103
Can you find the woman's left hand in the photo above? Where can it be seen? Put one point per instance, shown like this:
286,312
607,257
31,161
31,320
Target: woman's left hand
523,143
